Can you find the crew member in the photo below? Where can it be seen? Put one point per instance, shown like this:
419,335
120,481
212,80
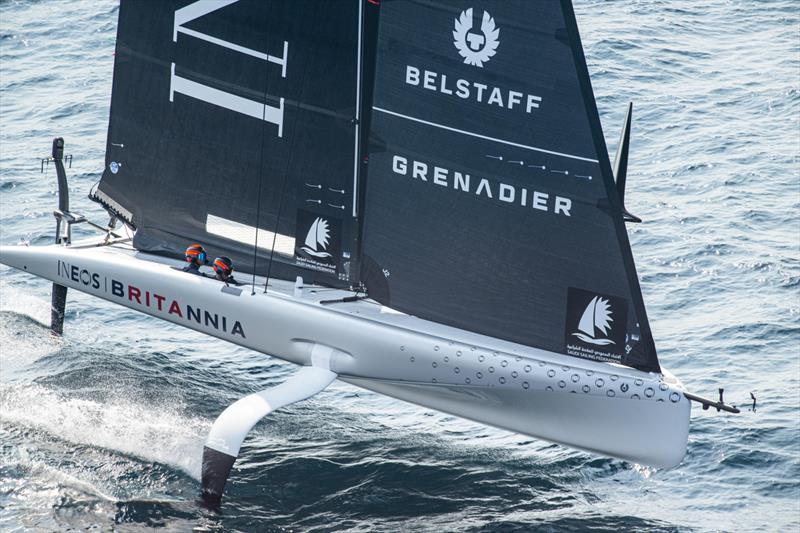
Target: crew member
195,257
223,270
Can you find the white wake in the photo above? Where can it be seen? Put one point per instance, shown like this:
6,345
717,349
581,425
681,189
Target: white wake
154,433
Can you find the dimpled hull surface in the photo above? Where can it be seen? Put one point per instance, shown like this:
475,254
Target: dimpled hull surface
599,407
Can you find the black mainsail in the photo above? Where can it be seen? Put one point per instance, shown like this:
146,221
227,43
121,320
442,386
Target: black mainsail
490,201
233,115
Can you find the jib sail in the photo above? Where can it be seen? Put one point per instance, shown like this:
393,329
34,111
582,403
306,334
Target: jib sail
490,202
234,124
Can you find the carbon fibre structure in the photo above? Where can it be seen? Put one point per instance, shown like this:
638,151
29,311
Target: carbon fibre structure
491,187
241,112
447,156
420,187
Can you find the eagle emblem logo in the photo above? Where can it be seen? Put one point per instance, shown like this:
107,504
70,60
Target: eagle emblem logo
476,47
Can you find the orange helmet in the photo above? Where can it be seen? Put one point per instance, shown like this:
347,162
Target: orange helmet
223,267
196,253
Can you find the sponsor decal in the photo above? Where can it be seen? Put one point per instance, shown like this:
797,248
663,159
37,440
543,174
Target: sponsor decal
493,189
77,274
153,303
595,327
318,239
596,317
472,90
205,93
476,46
321,247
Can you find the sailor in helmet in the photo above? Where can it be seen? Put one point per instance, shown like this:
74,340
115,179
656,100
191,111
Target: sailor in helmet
196,257
223,270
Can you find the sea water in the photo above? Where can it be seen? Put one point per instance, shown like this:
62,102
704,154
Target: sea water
103,429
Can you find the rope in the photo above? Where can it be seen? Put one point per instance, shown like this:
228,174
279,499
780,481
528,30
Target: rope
260,183
285,176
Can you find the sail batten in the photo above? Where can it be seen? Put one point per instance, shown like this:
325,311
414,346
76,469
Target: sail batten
481,136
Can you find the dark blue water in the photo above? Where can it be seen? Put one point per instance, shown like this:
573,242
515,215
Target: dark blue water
102,430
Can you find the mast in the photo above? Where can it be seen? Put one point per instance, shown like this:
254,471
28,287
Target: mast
357,132
369,14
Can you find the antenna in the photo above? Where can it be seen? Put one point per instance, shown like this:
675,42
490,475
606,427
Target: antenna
621,163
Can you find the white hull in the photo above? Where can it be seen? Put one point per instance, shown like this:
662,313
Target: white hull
600,407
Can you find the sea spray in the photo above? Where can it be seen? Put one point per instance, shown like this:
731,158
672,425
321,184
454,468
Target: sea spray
156,433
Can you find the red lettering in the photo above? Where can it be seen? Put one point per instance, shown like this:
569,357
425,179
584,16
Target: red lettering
133,292
159,299
147,298
175,309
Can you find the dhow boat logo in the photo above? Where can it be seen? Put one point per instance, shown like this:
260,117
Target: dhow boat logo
596,317
476,47
318,238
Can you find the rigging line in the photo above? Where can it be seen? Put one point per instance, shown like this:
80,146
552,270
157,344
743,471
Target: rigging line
285,177
260,182
258,212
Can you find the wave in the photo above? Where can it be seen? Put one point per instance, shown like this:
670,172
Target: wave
156,433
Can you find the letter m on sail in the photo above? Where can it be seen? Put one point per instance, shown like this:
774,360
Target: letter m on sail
245,106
